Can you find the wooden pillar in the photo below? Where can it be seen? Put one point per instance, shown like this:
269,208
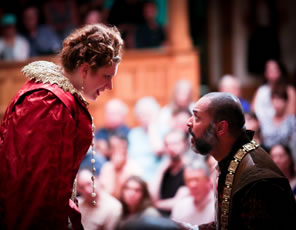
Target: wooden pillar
178,28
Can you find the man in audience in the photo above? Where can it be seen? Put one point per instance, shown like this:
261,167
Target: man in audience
107,211
198,207
119,168
13,47
230,84
114,123
168,184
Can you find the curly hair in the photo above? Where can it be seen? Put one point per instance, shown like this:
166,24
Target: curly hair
98,45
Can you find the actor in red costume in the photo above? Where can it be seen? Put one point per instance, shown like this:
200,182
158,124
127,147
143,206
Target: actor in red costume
47,130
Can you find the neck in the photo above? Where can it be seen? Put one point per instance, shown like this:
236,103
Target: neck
223,148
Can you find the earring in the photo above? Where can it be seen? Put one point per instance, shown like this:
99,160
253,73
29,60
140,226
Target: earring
82,86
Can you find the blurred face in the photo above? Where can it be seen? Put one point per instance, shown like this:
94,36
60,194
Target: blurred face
197,183
93,17
96,82
272,71
203,132
118,150
132,194
279,105
175,145
150,11
30,18
114,116
280,157
251,123
180,121
84,185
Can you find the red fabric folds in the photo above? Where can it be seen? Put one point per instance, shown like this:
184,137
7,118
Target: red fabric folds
44,135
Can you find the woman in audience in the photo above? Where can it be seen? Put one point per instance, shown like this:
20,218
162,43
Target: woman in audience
274,74
282,156
252,123
135,199
281,127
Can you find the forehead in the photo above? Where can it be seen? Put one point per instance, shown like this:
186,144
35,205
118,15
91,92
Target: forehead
194,174
201,107
109,69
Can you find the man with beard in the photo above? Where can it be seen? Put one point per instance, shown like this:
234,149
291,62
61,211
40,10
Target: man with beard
252,193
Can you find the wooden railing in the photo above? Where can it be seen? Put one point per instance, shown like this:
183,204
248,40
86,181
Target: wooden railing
141,73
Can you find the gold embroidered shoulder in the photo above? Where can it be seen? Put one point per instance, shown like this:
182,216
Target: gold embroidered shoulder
48,72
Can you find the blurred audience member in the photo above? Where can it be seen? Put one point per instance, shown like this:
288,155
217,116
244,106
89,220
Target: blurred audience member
274,74
149,34
107,211
166,186
118,169
182,98
282,156
42,39
198,207
281,127
93,16
230,84
61,15
13,47
145,143
114,123
99,162
135,199
252,123
149,223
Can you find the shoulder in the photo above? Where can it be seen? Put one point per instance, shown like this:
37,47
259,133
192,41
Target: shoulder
110,201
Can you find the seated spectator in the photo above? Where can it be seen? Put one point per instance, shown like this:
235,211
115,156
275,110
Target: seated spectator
281,127
198,207
93,16
282,157
150,223
107,211
182,99
114,123
166,186
118,169
275,74
13,47
149,34
145,142
99,162
61,15
135,199
252,123
230,84
42,39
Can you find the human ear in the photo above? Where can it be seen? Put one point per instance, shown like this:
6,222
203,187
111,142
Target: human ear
221,127
83,69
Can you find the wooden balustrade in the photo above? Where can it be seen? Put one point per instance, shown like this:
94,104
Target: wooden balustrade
141,73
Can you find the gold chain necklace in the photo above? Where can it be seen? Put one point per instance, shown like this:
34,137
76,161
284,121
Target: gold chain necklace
241,153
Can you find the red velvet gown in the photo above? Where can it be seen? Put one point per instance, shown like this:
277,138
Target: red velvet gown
45,133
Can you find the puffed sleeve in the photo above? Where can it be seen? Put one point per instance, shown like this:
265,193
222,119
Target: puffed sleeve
37,162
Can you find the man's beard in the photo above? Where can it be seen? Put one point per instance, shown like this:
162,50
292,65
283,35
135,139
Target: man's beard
205,144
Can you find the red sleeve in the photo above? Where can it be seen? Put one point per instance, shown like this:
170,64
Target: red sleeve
37,163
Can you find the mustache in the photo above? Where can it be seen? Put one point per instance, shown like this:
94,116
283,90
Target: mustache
191,132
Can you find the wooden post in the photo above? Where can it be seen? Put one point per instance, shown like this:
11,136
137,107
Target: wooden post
178,31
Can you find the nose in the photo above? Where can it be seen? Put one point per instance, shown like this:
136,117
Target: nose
189,122
110,85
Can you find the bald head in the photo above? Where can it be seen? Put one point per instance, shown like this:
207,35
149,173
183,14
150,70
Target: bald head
225,106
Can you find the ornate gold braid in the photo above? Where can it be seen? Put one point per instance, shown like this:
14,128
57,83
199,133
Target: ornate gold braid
241,153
